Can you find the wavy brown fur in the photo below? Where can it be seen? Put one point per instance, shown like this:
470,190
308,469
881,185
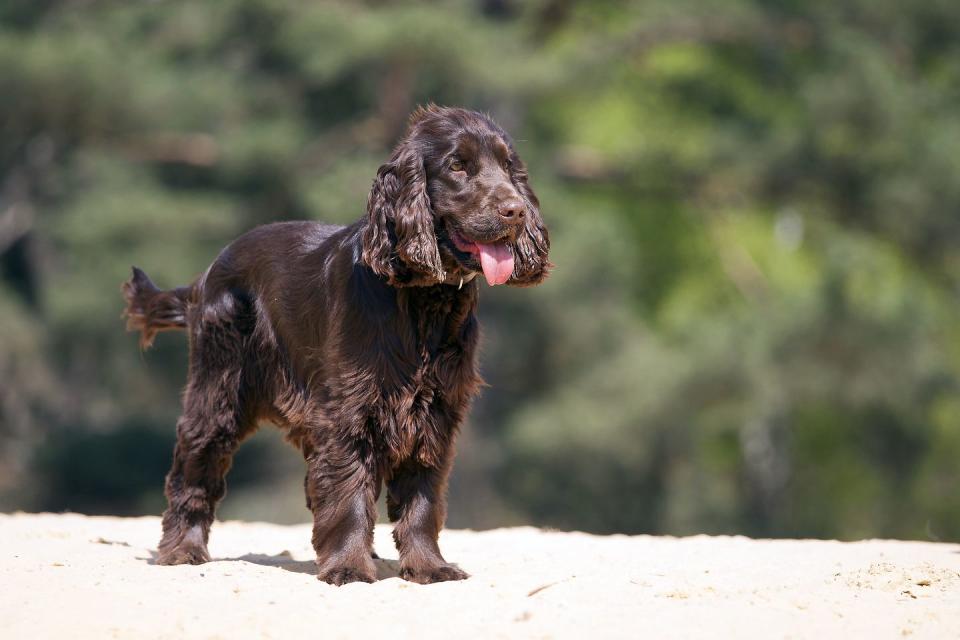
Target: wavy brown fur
359,341
150,310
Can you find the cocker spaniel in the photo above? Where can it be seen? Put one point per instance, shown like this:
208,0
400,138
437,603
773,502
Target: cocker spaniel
360,342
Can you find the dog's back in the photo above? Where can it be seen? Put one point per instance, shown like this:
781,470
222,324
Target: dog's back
151,310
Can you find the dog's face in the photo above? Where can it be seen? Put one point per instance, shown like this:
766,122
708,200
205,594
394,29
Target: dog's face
454,200
472,185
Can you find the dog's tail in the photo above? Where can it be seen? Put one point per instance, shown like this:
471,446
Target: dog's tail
151,310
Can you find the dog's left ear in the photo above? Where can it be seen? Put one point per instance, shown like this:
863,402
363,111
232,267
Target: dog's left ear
533,243
399,242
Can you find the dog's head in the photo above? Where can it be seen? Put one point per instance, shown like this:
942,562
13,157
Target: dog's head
454,201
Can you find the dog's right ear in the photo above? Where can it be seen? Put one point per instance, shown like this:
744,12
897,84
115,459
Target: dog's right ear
399,235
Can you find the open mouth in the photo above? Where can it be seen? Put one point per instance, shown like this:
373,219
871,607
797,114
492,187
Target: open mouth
495,258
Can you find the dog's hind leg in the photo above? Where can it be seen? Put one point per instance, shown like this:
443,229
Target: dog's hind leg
214,422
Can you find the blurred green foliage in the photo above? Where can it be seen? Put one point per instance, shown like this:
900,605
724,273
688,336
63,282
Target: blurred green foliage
755,211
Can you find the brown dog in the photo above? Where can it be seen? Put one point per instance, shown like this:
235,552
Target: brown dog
359,341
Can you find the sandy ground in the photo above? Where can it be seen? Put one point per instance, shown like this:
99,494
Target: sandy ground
71,576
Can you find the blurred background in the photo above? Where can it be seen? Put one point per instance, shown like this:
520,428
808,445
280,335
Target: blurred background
754,323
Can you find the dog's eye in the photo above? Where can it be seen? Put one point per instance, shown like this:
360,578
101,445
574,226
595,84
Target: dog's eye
508,163
457,165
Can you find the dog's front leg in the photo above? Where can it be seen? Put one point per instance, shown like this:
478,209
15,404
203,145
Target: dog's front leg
341,492
416,501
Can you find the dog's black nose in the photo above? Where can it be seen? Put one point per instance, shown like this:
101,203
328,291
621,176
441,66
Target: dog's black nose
512,211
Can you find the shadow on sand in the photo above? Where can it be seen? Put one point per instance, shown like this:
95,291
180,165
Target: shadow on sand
283,560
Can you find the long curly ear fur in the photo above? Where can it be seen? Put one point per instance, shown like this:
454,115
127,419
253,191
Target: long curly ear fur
533,244
399,242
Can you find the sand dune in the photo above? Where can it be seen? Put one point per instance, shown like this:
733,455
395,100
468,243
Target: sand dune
73,576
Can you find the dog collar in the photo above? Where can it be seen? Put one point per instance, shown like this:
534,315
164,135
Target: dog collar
462,280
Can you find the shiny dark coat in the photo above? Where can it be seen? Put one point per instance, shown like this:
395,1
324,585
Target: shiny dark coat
359,341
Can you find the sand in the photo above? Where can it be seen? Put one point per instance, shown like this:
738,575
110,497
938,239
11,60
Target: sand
72,576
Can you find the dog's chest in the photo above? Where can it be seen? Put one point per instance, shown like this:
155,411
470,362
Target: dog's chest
435,377
417,418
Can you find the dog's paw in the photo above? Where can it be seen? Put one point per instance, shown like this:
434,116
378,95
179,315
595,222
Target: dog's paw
184,554
183,546
345,575
430,574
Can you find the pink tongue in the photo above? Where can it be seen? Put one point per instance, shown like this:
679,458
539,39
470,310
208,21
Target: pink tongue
497,262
